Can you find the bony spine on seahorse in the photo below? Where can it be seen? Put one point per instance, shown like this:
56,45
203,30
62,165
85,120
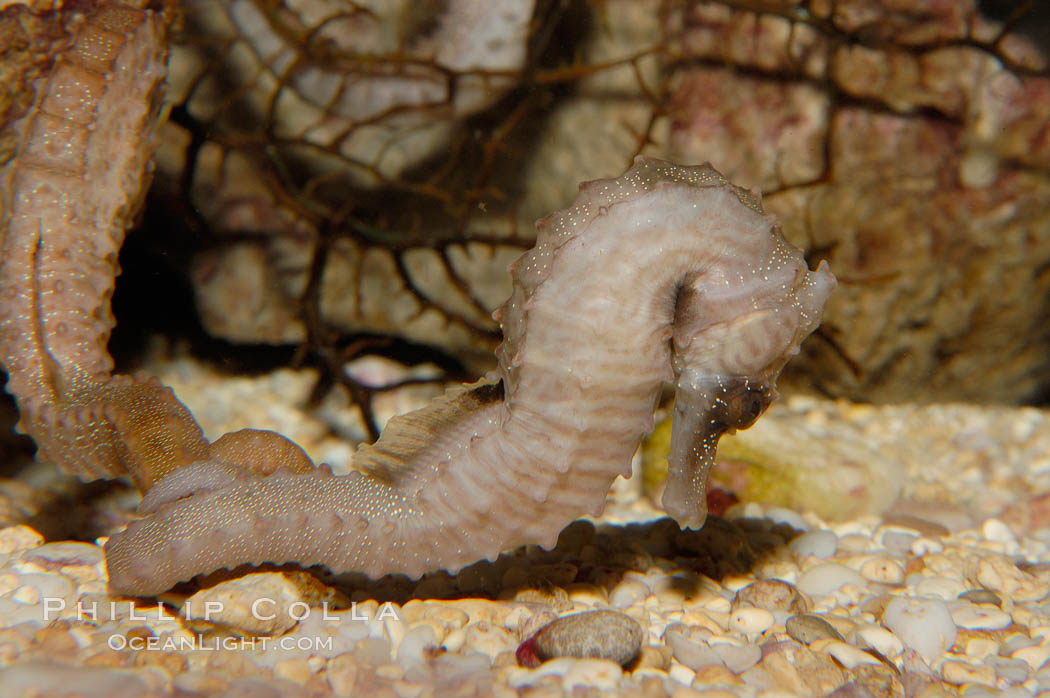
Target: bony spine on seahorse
666,274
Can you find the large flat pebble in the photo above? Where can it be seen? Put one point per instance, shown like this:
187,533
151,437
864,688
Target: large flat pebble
923,624
264,603
824,578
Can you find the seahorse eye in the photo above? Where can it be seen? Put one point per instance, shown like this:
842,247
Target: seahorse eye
750,407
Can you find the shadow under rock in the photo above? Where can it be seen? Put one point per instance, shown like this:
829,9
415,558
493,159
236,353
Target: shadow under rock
75,510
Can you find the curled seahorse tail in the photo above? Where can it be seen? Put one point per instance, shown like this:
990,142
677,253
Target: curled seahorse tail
81,167
443,513
119,426
181,539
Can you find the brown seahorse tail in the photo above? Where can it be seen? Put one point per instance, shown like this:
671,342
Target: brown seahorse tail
388,518
80,169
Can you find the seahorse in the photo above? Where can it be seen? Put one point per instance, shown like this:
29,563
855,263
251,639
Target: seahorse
666,275
80,168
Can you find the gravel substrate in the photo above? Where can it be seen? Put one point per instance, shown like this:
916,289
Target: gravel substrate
945,593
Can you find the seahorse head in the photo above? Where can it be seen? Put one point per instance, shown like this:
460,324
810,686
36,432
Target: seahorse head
737,322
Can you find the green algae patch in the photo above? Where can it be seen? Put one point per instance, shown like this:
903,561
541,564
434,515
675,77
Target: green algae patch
789,460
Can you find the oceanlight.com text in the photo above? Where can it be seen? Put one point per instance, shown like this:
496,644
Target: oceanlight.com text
170,643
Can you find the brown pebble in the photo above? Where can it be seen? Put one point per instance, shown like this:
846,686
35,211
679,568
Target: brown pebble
576,535
851,690
925,527
172,663
315,592
982,596
531,625
503,659
914,566
106,657
876,605
593,634
881,680
655,656
542,592
772,595
717,674
807,628
55,640
55,556
559,574
140,632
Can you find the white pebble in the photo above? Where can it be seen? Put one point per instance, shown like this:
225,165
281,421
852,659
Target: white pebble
235,603
751,622
488,639
414,642
926,546
681,673
373,651
602,674
1013,670
898,541
879,638
351,631
454,640
855,543
688,652
847,655
996,530
894,538
883,569
54,588
998,573
739,658
960,673
16,538
981,648
1016,641
925,625
394,629
556,667
13,613
27,595
748,510
820,543
787,516
735,583
826,577
1036,656
627,593
942,587
64,554
37,677
980,618
716,604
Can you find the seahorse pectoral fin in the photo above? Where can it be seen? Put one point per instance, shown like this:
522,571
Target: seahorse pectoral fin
693,441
